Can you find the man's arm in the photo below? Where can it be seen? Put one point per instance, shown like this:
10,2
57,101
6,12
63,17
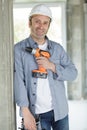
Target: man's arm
19,84
21,92
65,70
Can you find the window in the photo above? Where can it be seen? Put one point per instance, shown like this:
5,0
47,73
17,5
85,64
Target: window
56,31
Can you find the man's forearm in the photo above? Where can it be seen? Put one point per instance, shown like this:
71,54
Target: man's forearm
29,120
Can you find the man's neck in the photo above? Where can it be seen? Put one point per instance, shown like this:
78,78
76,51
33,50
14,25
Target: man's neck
39,41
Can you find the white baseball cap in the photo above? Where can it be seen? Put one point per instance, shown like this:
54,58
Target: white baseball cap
41,9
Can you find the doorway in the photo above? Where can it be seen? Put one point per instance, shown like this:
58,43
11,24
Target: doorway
57,31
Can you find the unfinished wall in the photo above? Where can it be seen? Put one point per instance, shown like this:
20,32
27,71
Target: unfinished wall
7,116
76,46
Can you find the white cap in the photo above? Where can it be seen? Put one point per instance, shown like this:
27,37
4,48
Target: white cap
41,9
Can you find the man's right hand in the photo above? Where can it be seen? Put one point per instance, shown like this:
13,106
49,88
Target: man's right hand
29,120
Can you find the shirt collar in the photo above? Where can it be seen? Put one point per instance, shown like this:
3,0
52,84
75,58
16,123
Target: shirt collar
33,44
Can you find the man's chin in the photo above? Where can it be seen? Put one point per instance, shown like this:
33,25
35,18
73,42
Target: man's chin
41,36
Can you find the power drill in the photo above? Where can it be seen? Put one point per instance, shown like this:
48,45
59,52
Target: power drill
40,72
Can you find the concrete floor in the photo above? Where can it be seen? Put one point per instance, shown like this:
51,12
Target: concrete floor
77,115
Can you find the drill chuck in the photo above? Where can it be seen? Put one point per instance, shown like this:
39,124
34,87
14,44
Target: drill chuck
30,50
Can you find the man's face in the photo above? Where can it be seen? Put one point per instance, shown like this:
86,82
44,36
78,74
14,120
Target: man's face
39,25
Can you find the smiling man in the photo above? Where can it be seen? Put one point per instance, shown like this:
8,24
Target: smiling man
37,96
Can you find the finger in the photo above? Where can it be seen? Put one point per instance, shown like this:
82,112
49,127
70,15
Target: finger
39,58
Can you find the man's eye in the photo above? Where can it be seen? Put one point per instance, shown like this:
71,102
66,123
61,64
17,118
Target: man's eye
45,23
37,21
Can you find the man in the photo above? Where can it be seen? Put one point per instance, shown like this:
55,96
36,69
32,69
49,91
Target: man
42,96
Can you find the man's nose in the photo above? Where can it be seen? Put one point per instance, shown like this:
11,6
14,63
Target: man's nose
41,25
